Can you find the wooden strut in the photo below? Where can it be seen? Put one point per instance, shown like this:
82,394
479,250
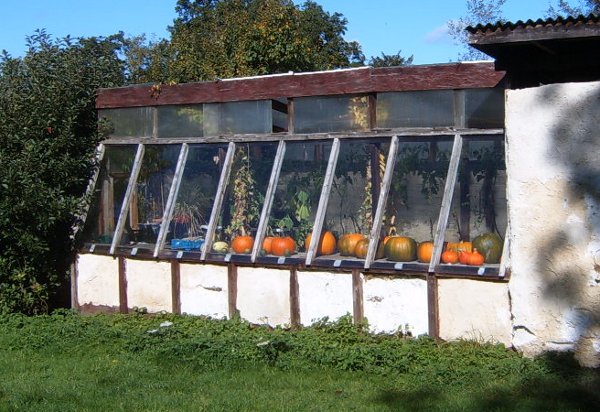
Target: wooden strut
433,308
175,287
232,276
123,306
295,319
357,297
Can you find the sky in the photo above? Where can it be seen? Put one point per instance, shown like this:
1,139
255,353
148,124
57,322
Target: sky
413,27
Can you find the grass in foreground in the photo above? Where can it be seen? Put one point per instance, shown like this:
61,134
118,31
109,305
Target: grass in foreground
68,362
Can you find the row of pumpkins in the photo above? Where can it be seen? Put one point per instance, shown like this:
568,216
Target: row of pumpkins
485,248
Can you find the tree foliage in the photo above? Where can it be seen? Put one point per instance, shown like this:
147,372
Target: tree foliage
390,60
47,137
584,7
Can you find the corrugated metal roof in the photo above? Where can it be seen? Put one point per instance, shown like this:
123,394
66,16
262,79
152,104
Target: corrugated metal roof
534,24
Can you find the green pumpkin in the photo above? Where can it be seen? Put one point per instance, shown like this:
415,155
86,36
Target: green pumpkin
401,249
490,246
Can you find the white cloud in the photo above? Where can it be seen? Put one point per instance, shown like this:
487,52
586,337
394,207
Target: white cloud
438,35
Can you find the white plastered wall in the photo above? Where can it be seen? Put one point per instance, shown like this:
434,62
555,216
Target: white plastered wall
553,163
97,281
204,290
149,285
263,295
324,295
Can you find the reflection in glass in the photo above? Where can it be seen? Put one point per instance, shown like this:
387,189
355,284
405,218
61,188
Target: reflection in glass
479,203
150,195
331,114
355,189
430,108
417,189
297,195
108,194
196,196
245,194
128,122
238,117
180,121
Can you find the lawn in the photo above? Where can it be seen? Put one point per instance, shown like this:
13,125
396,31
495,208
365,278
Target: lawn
67,362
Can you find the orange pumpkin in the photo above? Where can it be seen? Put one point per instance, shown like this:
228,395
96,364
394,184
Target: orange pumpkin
425,251
242,244
463,257
268,244
475,258
327,243
362,248
283,246
449,256
460,246
348,242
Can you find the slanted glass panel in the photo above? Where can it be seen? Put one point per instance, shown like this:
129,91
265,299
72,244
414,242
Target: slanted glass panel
416,193
479,204
484,108
248,117
196,196
430,108
108,194
128,122
180,121
150,195
297,195
331,114
355,190
245,195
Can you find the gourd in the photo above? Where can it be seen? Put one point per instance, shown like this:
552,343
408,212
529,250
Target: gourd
268,244
348,242
242,244
460,246
283,246
425,251
327,243
401,249
490,246
475,258
449,256
362,247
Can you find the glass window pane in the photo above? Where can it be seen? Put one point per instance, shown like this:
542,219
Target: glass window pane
297,195
430,108
238,118
479,205
150,195
180,121
355,190
245,194
484,108
331,114
129,122
196,196
108,194
416,192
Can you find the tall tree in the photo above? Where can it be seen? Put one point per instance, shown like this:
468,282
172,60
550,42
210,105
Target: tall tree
390,60
478,12
48,132
226,38
566,8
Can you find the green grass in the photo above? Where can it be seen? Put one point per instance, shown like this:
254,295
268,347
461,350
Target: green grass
67,362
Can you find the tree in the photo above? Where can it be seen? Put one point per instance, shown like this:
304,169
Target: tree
584,7
213,39
390,60
48,132
478,12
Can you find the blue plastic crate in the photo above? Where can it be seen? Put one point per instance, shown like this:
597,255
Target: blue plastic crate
187,244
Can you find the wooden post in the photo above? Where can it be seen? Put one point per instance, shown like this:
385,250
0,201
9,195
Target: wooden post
232,290
294,298
123,307
74,277
175,287
433,310
357,297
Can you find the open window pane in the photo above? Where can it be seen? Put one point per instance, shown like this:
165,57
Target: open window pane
128,122
245,195
296,197
430,108
150,195
180,121
415,197
354,193
331,114
108,194
196,196
479,205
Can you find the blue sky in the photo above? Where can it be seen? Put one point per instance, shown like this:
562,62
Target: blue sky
415,27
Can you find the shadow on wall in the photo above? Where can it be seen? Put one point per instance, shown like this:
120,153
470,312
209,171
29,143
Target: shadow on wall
562,259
